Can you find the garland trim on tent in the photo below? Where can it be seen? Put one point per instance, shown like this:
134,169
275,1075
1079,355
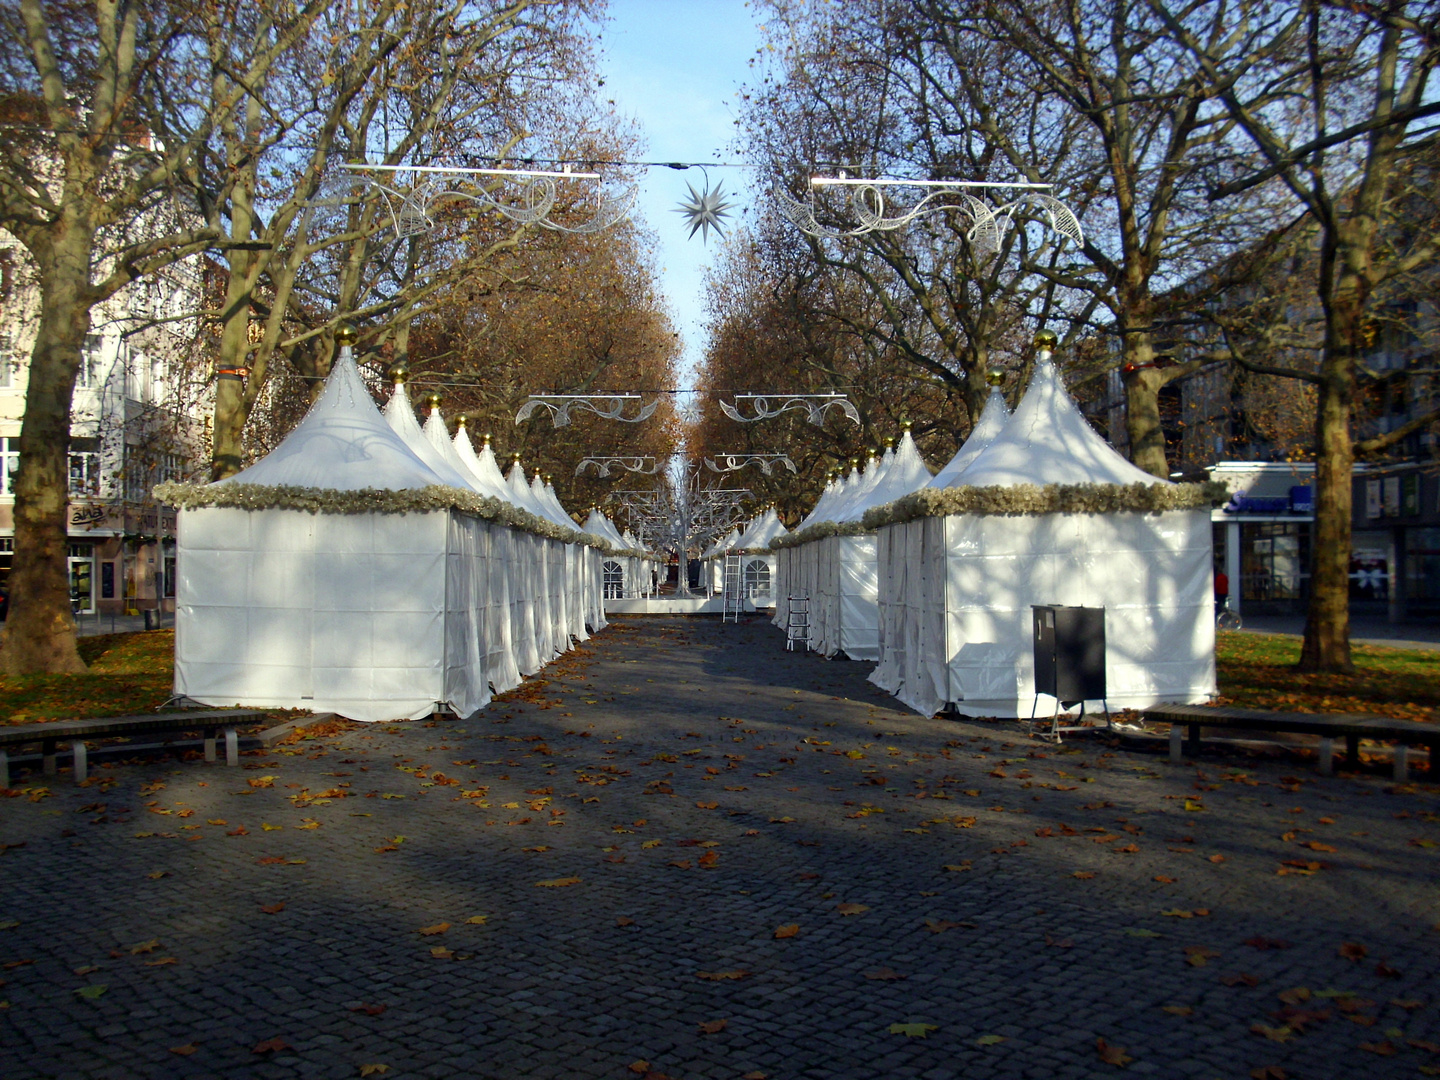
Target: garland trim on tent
1048,499
819,531
375,501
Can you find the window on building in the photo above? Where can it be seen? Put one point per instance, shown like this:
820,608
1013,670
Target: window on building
614,579
8,360
88,376
756,577
9,464
84,473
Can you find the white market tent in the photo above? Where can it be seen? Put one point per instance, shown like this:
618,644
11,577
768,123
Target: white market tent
757,561
623,567
350,571
1047,513
835,564
715,555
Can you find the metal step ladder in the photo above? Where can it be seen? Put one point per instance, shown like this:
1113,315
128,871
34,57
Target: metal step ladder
797,622
732,589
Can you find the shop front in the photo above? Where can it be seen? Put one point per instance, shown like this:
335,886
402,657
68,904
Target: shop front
1395,553
1263,535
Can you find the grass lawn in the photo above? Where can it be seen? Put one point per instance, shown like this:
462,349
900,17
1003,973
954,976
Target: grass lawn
131,673
1257,671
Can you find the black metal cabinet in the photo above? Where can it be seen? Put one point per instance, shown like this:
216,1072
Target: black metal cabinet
1069,653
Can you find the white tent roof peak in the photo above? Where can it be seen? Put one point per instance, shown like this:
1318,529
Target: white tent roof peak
438,436
992,421
343,444
490,474
1048,441
762,530
400,415
520,494
902,472
486,483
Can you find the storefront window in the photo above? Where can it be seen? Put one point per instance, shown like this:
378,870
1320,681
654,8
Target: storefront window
1422,567
1274,561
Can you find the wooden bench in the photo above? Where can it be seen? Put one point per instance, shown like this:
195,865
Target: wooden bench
1329,726
75,732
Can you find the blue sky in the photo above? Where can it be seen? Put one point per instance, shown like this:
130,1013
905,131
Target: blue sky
675,67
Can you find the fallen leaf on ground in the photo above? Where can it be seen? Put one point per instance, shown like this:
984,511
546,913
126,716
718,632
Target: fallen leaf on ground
272,909
164,961
1112,1055
1384,1048
1408,1004
90,993
1083,875
706,805
713,1027
989,1040
639,1067
271,1046
1181,913
477,920
1179,1010
374,1070
431,931
1268,1072
1353,951
720,976
1199,955
1059,943
184,1051
709,860
1274,1034
558,883
158,874
1296,995
145,947
1240,980
439,952
789,930
1217,858
884,974
852,909
1385,971
939,926
915,1031
1165,880
1136,931
368,1010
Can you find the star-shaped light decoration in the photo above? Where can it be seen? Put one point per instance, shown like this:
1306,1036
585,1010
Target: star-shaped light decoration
706,210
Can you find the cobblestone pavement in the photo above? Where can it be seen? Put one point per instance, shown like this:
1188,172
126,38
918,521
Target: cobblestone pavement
689,848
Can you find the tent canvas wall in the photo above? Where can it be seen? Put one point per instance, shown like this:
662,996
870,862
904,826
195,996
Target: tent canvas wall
341,574
757,561
1046,514
840,572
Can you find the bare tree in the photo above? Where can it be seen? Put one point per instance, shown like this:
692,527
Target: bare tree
109,104
1357,95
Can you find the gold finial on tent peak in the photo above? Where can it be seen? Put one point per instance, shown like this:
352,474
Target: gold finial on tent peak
346,335
905,425
889,444
996,375
1045,341
487,438
433,399
400,373
460,420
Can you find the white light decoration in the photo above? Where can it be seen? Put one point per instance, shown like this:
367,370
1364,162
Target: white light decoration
813,404
706,210
605,406
988,223
736,462
606,463
412,210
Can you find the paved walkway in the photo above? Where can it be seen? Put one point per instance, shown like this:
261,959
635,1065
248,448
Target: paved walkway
1411,635
691,854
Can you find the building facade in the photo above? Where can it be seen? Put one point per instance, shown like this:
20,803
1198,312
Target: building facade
137,419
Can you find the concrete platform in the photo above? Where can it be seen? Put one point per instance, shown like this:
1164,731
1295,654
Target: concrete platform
675,605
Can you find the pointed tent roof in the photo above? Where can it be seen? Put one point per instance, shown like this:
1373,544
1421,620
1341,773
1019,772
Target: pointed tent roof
438,436
904,472
343,444
724,544
1048,441
762,530
992,422
554,501
490,474
520,494
597,524
822,504
400,415
488,484
550,512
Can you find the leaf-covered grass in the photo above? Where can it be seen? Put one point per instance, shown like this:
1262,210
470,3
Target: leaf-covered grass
1257,671
129,674
133,673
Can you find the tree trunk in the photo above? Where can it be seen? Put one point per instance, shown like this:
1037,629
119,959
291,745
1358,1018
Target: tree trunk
1143,382
39,635
1327,622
